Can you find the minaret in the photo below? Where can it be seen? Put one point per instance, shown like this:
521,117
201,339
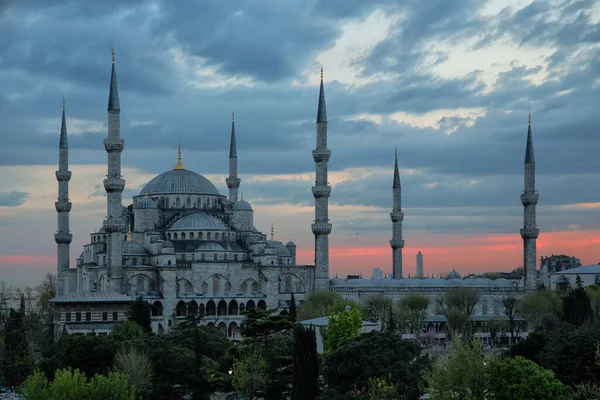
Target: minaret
63,236
114,184
321,191
530,231
233,182
420,265
397,216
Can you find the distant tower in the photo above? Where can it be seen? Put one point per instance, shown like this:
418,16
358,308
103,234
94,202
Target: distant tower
114,184
233,182
397,216
63,236
321,191
420,265
530,231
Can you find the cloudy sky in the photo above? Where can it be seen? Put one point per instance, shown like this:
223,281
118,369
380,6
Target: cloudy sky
449,83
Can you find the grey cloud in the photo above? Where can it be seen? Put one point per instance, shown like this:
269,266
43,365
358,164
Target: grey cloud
13,199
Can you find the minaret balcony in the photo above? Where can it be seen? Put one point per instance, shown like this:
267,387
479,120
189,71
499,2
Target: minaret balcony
63,206
530,198
321,155
233,182
397,216
112,225
530,232
63,176
397,243
321,191
63,237
114,185
321,228
113,145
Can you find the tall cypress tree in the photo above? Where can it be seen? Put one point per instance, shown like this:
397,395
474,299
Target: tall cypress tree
16,361
293,313
305,364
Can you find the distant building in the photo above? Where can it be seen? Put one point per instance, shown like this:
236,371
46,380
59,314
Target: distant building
419,265
554,264
377,273
562,280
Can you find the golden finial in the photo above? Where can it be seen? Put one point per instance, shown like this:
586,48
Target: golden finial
129,234
233,115
272,231
321,71
63,104
529,121
112,52
179,165
146,196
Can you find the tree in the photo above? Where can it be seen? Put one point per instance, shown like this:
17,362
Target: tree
250,373
461,375
497,329
261,324
126,330
416,306
342,326
512,307
293,313
376,307
140,312
305,364
536,305
375,355
16,361
201,385
391,325
323,304
115,386
457,306
577,307
518,378
381,389
593,292
136,366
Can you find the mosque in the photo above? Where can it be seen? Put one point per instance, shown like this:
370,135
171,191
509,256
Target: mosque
187,249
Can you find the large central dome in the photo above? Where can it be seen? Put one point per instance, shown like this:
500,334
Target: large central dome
179,181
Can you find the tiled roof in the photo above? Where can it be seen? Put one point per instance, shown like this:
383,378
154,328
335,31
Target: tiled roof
587,269
93,297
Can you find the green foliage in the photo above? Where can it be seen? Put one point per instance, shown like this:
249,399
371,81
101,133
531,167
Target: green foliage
518,378
136,366
497,330
305,364
460,375
16,361
457,306
392,325
380,389
260,325
68,385
323,304
293,312
250,373
512,307
36,386
416,306
536,305
377,308
593,292
115,386
126,330
374,355
491,275
577,308
342,326
141,313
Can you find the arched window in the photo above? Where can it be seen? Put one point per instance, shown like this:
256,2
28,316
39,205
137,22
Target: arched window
233,308
216,283
208,236
287,287
211,308
227,287
181,309
191,235
208,202
250,305
177,202
215,257
262,305
202,257
222,308
199,202
188,202
175,236
169,236
192,308
182,235
223,328
157,309
202,310
232,330
217,236
200,236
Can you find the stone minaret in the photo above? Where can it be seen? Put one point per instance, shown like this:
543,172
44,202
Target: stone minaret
397,216
233,182
530,231
63,236
420,265
114,184
321,191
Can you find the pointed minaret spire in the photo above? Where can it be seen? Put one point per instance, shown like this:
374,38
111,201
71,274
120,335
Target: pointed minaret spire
272,231
114,224
113,94
397,216
530,231
179,164
63,236
233,182
321,227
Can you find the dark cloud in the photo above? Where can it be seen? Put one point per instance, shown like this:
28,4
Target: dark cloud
12,199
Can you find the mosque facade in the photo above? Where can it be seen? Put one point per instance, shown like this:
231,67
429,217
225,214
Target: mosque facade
187,249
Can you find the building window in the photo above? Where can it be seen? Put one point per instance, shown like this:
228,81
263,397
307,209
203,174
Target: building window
104,316
115,315
88,316
77,316
68,317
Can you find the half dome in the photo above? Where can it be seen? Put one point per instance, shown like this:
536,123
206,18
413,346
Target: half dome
179,181
198,221
131,248
242,205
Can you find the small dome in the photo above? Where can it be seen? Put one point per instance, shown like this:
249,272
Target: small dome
242,205
290,243
210,246
144,202
562,279
198,221
453,274
179,181
280,249
131,248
